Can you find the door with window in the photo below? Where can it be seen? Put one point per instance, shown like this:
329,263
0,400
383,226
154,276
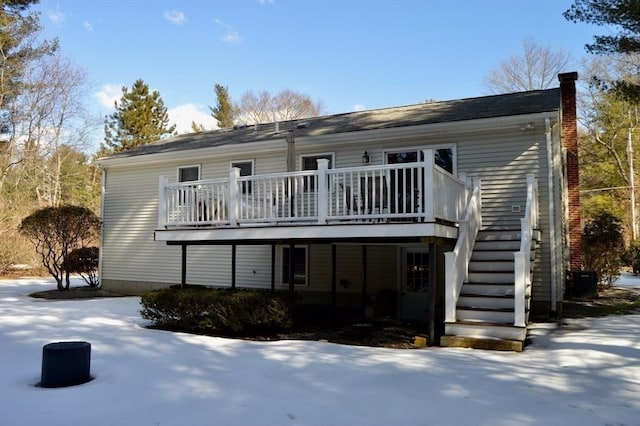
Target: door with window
407,184
414,284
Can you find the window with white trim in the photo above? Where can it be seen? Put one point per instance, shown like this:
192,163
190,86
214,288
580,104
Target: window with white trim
246,169
188,173
301,266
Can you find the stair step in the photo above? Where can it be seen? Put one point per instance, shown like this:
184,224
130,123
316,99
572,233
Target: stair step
503,235
487,302
492,277
487,343
496,245
488,289
491,266
499,255
479,329
485,315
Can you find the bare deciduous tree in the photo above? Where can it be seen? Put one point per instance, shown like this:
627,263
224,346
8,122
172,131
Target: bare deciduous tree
285,105
52,119
537,67
43,162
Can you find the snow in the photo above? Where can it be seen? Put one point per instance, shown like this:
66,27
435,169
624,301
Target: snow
585,372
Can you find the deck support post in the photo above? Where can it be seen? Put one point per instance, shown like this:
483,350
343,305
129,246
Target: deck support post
183,279
364,281
292,266
433,293
234,249
273,267
333,281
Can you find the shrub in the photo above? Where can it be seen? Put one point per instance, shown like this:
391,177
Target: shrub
84,261
55,232
217,310
603,247
632,256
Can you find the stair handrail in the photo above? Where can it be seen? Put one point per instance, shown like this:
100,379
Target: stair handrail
457,261
522,258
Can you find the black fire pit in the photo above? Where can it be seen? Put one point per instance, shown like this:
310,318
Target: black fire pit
65,364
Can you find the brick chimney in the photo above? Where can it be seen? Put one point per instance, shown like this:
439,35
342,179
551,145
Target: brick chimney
569,137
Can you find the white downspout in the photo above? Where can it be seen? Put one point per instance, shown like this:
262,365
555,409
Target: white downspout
552,217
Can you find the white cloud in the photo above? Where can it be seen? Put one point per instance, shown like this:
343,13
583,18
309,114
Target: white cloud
56,17
175,16
183,115
231,35
109,94
87,26
358,107
265,1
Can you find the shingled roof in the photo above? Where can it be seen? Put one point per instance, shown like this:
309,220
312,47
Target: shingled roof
384,118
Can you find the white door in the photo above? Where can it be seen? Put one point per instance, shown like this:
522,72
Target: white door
414,284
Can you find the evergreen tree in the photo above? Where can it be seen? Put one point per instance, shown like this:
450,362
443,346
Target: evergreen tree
140,118
624,15
224,111
197,127
17,50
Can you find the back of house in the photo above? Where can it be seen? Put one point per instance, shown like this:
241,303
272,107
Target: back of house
357,211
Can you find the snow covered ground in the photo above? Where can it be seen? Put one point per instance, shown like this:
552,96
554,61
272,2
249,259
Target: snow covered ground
586,372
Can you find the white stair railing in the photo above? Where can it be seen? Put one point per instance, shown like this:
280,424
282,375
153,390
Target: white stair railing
457,261
522,258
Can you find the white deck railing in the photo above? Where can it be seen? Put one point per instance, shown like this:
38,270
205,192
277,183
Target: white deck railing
419,191
457,261
522,258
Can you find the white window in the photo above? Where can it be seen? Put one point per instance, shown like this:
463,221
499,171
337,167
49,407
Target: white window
246,169
310,162
188,173
300,269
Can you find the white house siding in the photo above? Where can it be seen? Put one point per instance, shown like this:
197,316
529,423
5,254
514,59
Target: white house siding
502,159
503,172
130,216
132,261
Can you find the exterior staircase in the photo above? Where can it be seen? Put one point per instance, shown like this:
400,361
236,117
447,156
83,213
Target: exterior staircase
485,310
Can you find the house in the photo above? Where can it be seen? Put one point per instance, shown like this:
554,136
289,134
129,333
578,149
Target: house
463,214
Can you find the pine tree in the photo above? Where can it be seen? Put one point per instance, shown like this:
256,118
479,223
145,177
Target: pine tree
622,16
224,111
18,30
140,118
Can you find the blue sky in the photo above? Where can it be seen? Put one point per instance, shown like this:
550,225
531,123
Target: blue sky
349,54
